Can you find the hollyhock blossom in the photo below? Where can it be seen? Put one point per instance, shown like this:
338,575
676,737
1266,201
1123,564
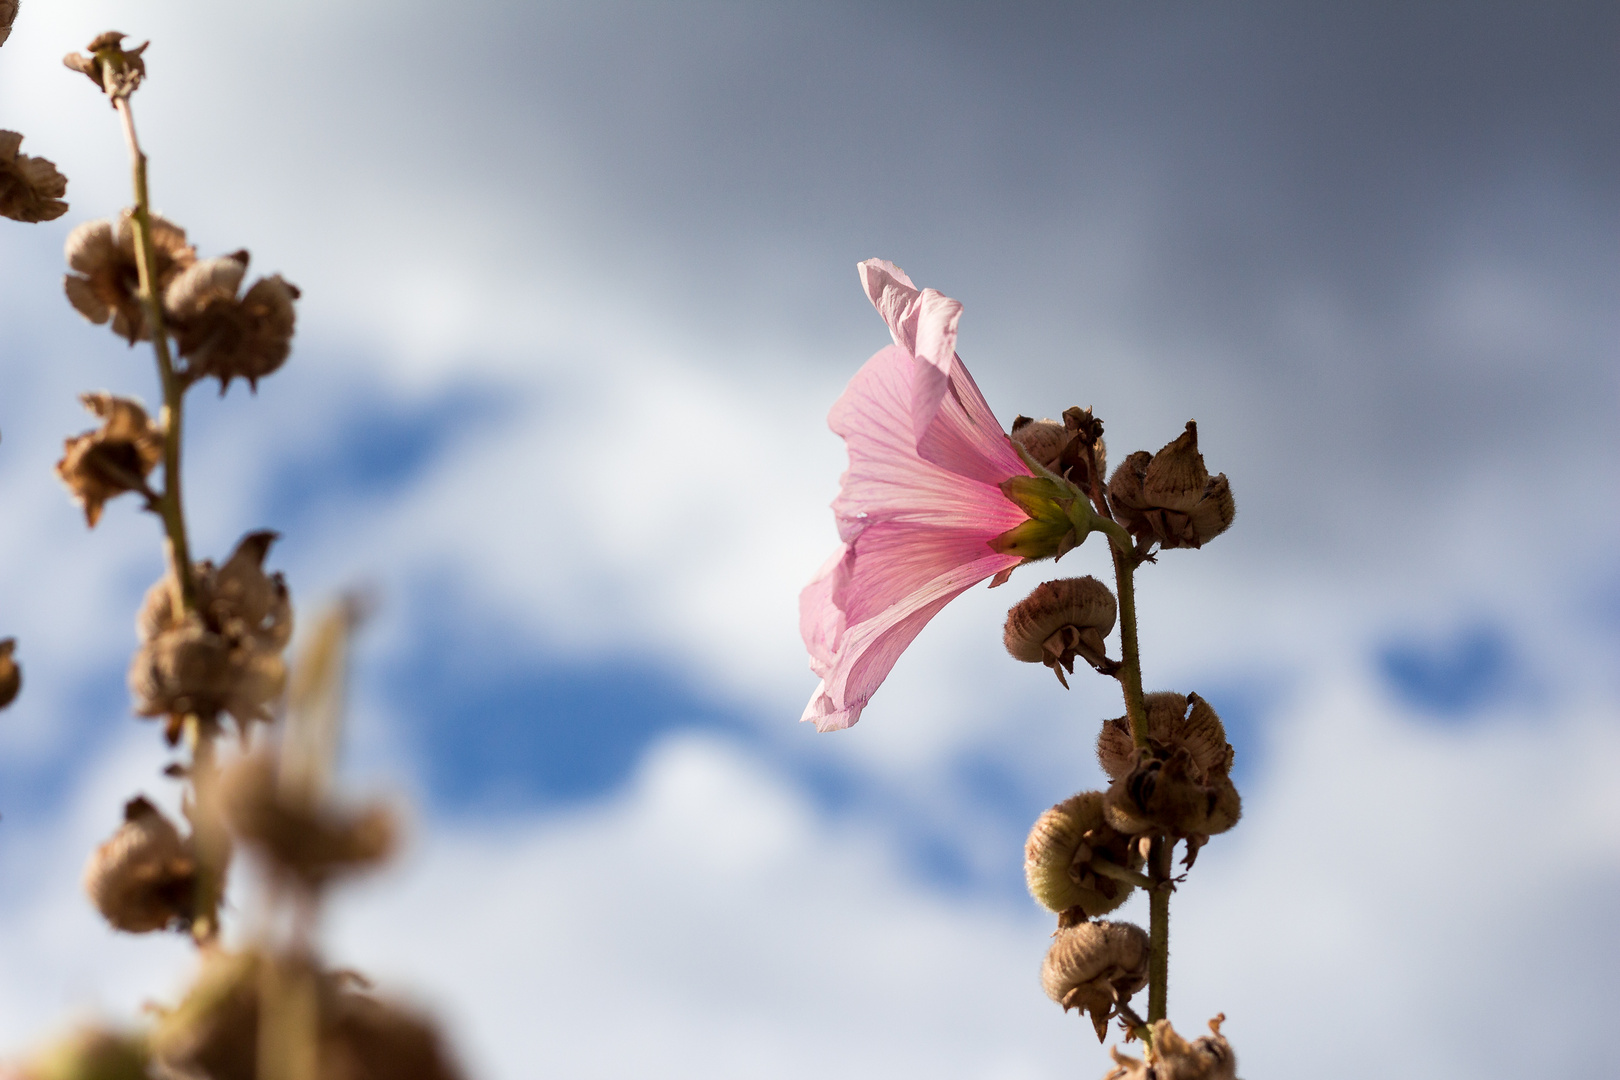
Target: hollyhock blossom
927,505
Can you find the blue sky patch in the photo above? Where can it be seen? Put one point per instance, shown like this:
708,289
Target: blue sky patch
1451,677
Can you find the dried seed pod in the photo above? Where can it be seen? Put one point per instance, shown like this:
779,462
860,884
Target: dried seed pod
224,336
8,15
145,877
310,843
106,281
1059,621
10,673
116,457
1169,497
31,189
1174,1058
1094,966
89,1054
1043,440
190,670
1167,793
1063,854
1170,724
116,71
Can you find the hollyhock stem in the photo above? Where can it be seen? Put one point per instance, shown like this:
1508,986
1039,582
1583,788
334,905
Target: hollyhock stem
168,504
1130,666
1159,926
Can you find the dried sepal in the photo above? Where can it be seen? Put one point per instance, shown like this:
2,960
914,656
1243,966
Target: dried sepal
1068,853
1166,792
10,672
8,15
1173,721
31,189
225,336
116,71
144,878
1059,621
1073,449
1169,497
1094,966
116,457
1172,1057
214,1031
105,283
87,1054
311,843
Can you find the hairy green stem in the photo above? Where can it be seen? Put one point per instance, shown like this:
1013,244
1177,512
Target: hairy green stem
1159,926
1130,666
169,506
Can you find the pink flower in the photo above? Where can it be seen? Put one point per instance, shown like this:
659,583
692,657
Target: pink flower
920,504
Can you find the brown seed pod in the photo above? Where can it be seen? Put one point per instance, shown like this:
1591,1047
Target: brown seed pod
1063,854
31,189
1171,724
106,280
225,336
1094,966
1169,497
1169,794
115,458
144,878
1043,440
1174,1058
1059,621
10,673
309,843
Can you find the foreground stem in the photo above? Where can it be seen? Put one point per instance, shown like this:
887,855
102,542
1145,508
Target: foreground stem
1130,667
168,503
1159,926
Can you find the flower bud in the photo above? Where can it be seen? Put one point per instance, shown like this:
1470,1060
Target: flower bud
106,280
115,458
1171,724
1169,497
224,336
309,842
31,189
145,877
10,673
1094,966
1173,1058
1059,621
1064,850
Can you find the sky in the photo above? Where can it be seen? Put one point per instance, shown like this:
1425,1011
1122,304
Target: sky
578,290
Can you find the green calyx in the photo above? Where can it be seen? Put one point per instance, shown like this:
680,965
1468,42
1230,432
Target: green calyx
1060,515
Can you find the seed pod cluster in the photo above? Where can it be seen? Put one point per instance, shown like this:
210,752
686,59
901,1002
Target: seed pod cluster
226,336
1180,785
31,189
1069,852
1094,967
144,877
1169,497
105,282
1172,1057
1062,620
223,657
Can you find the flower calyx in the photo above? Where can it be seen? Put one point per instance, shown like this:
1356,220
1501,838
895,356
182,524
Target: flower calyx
145,877
1075,863
115,458
1169,498
116,71
1171,1057
1094,967
224,335
1061,620
1060,516
31,189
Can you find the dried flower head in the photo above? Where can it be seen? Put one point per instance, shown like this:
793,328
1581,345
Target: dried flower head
1074,448
226,336
1059,621
311,843
1173,721
144,878
30,187
89,1054
1095,966
1069,853
225,656
117,72
116,457
214,1031
1169,497
1173,1058
10,673
1166,792
106,281
8,15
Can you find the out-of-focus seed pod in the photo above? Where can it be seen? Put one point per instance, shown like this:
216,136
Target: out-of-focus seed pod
144,878
31,189
1094,966
225,336
8,15
1059,621
1169,497
1063,854
90,1054
105,277
115,458
1174,1058
10,673
310,843
1171,724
